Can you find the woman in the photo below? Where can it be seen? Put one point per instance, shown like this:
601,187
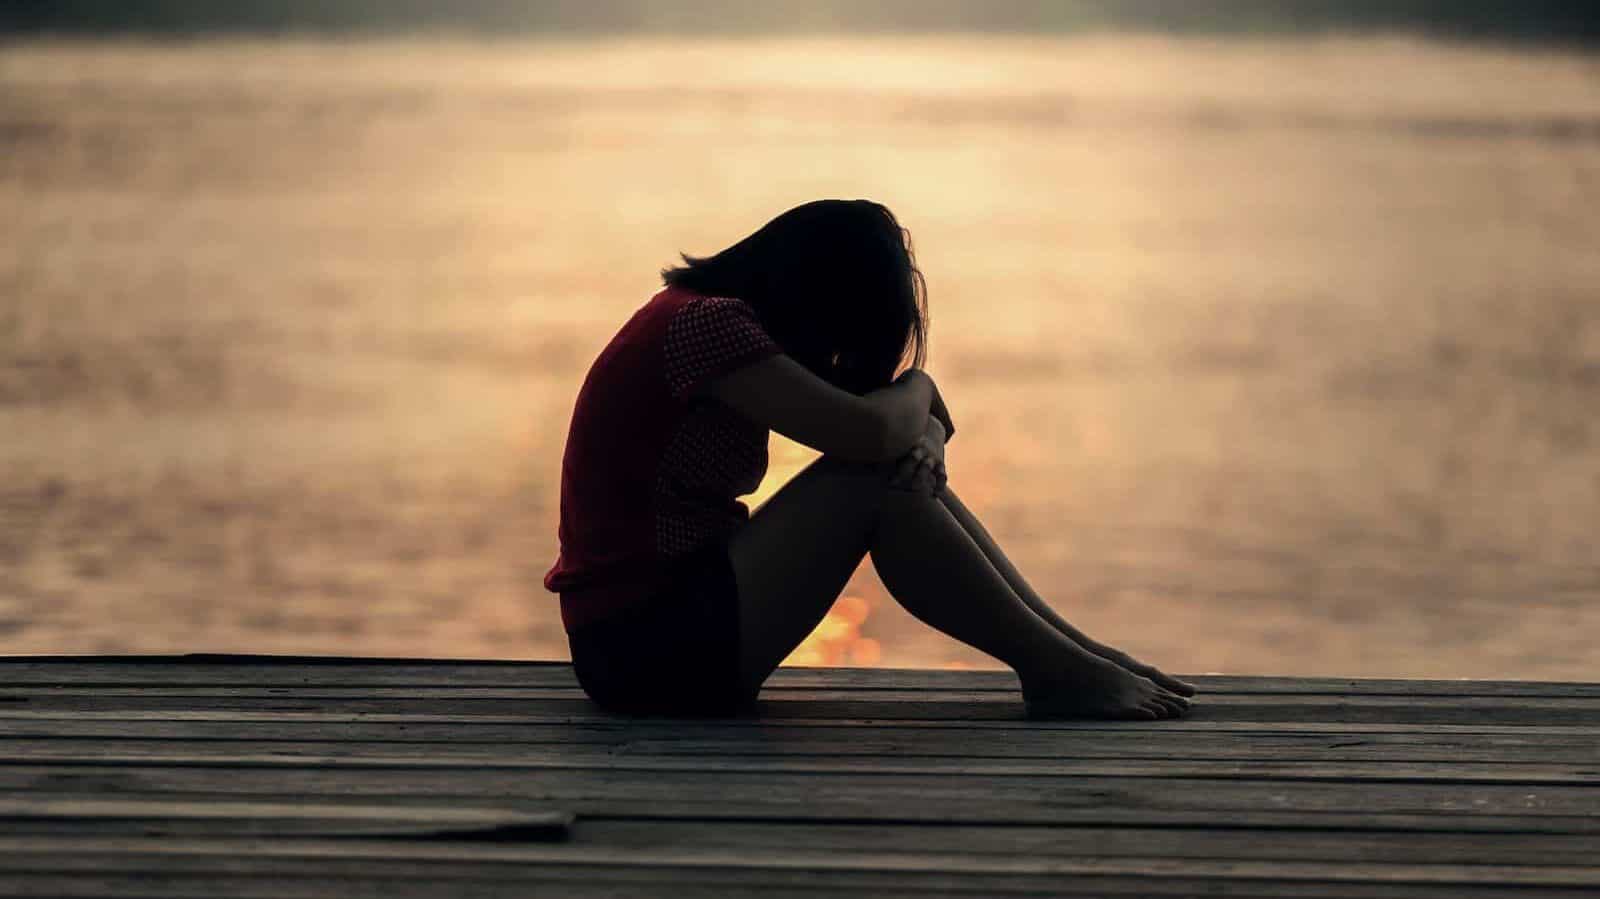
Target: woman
676,600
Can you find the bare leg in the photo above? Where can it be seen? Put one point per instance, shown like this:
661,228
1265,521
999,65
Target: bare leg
1020,586
796,553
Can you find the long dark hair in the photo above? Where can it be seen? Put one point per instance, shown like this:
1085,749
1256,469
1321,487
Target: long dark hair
834,282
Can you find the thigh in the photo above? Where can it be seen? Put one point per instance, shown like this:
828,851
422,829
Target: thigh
796,553
677,653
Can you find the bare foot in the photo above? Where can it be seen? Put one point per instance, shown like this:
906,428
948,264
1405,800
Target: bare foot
1100,689
1156,675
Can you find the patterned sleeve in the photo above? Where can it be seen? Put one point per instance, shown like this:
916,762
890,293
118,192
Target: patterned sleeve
709,337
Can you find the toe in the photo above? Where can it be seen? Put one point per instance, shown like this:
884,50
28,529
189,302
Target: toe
1182,688
1142,713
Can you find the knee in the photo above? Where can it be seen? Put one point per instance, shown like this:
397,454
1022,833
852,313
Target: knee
871,481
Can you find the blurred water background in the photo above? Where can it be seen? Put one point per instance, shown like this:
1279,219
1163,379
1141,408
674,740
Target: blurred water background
1271,352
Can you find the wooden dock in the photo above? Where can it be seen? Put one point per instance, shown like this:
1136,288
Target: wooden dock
281,777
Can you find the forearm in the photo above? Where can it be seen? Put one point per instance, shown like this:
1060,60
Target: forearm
783,395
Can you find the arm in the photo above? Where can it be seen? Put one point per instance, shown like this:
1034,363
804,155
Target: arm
783,395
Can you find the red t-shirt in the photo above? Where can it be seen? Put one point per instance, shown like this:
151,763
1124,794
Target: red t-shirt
649,473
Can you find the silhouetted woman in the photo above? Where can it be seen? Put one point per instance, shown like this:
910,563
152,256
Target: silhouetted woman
675,598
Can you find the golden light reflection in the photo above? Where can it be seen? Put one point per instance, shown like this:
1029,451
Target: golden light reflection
837,639
785,459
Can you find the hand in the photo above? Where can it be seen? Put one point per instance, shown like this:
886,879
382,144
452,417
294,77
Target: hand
922,468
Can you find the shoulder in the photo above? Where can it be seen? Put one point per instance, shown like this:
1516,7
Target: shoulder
686,302
708,336
695,316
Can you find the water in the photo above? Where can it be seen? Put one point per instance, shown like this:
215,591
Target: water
1271,356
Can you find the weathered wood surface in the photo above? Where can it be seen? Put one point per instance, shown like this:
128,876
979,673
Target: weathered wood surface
263,776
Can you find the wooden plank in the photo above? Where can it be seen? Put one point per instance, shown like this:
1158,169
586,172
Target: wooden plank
34,853
1104,842
937,811
21,814
98,817
314,884
870,796
201,694
795,743
1209,684
1529,773
278,671
293,670
993,728
90,818
656,737
596,882
896,706
88,696
190,696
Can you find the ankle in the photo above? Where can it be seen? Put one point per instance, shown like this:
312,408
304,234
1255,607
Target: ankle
1067,668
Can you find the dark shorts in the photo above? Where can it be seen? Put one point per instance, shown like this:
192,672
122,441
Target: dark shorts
675,654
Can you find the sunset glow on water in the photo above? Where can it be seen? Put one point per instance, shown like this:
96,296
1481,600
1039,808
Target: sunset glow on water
1272,356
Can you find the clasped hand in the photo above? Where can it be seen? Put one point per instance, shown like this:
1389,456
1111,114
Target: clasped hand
921,469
